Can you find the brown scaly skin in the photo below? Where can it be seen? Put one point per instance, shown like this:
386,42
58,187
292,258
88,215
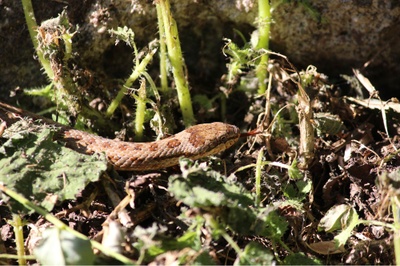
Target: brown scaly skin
193,143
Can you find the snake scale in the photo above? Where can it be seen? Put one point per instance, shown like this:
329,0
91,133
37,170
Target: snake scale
195,142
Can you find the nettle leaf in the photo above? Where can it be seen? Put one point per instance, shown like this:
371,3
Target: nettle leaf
352,221
294,172
298,190
255,254
229,202
199,186
276,225
338,217
60,247
43,170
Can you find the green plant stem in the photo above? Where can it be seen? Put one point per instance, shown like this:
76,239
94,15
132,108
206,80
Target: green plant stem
139,69
163,52
285,246
215,225
378,223
177,63
67,37
232,243
60,225
248,166
140,111
19,238
264,21
258,176
32,26
396,233
152,86
16,257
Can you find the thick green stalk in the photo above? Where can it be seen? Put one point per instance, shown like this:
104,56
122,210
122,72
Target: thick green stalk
177,63
396,233
163,52
19,238
140,111
32,27
264,21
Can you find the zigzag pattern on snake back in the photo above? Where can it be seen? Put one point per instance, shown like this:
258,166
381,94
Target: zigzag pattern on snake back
195,142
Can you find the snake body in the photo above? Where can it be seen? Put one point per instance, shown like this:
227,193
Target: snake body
195,142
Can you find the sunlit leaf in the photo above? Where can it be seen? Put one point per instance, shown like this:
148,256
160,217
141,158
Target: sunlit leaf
43,170
255,254
60,247
336,218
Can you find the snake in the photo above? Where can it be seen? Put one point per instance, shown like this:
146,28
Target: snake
195,142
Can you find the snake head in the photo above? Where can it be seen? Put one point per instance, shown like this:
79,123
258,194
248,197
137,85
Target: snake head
212,138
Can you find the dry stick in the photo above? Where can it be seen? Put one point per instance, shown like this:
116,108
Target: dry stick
304,110
305,113
267,118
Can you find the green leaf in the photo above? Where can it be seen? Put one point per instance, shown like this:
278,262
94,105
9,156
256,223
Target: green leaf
60,247
337,217
44,91
32,164
304,187
124,34
294,172
301,259
202,187
203,258
351,222
255,254
228,202
207,189
297,191
290,191
203,101
276,225
326,123
152,242
146,242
